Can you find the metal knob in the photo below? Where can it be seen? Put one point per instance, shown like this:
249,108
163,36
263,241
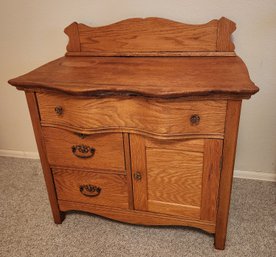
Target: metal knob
58,110
195,119
137,176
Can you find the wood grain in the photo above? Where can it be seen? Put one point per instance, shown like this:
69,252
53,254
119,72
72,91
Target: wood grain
171,178
210,178
151,34
150,54
72,31
34,113
114,190
181,210
194,145
174,179
137,217
161,77
139,36
153,116
229,150
128,169
178,177
139,164
109,150
174,176
225,30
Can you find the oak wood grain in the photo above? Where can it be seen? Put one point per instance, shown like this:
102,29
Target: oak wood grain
113,192
210,178
137,217
162,77
109,150
139,36
178,176
225,30
174,177
34,113
150,54
139,164
181,210
159,117
225,187
72,31
150,34
128,169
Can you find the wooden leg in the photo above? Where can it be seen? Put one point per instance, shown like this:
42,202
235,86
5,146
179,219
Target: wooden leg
34,112
229,150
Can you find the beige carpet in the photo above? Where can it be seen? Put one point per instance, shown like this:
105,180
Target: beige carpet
27,228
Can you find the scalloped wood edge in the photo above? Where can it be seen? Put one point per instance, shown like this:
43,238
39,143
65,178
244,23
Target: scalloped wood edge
136,217
152,37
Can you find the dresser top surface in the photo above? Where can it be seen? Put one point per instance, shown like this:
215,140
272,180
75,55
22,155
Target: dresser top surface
164,77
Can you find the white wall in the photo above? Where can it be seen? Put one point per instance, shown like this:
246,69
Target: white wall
32,34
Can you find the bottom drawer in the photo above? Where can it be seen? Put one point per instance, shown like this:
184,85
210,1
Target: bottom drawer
89,187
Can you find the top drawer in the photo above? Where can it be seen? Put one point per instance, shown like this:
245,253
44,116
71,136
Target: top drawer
158,117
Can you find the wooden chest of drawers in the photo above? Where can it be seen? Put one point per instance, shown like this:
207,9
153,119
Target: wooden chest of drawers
139,122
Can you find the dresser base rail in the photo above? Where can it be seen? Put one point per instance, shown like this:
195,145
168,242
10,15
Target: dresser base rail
135,217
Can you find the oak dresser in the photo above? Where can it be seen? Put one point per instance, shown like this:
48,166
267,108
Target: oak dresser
138,122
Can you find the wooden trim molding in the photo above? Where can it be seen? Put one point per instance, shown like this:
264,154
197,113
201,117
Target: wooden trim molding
150,54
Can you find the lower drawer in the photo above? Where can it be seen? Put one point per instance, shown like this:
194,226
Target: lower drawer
89,187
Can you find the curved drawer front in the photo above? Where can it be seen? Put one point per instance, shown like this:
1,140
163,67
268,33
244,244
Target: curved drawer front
152,116
91,187
98,151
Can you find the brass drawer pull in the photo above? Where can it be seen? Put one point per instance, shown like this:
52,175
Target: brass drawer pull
83,151
58,110
195,119
90,190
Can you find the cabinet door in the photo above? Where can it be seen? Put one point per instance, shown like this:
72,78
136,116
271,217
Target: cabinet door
177,177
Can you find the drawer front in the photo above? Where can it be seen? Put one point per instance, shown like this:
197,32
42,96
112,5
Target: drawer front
92,188
97,151
152,116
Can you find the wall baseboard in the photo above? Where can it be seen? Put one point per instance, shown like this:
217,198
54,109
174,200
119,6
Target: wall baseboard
19,154
256,175
266,176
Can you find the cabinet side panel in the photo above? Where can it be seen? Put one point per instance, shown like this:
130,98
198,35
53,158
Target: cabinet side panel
34,113
229,151
210,178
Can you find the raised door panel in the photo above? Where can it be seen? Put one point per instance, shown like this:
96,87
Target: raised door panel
178,177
